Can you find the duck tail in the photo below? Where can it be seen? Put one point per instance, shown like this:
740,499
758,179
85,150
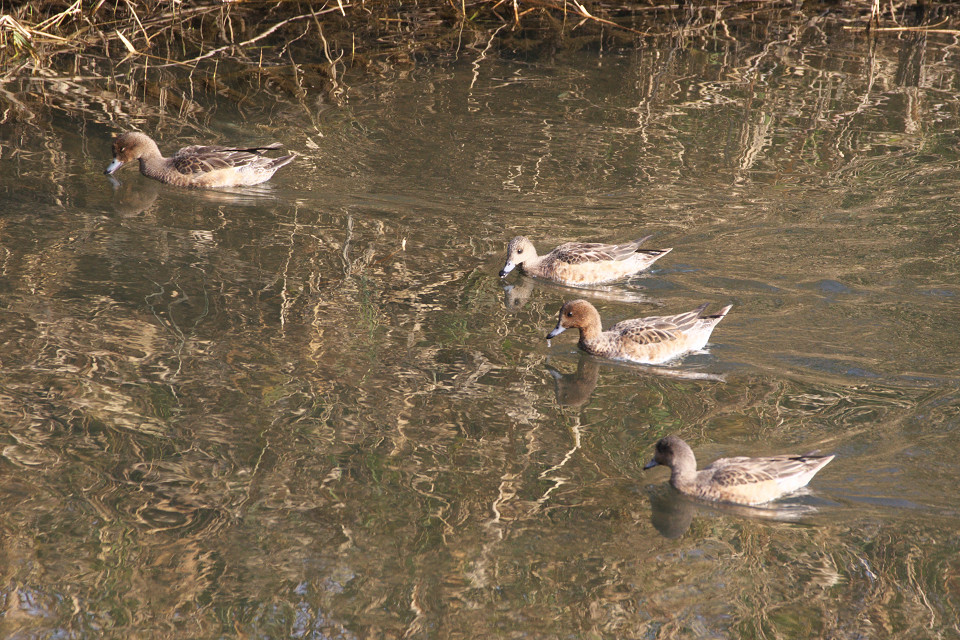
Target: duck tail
281,161
259,150
655,252
273,146
718,315
816,455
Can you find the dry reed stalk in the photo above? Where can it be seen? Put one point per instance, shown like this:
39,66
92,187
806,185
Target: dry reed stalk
35,35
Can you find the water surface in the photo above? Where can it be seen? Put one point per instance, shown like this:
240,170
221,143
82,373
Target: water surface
312,409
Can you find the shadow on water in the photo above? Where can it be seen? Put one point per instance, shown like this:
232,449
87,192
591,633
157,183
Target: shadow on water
312,409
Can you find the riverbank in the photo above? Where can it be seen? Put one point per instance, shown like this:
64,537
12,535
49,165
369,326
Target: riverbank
45,35
123,63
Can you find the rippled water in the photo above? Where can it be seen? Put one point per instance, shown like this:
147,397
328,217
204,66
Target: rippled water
312,409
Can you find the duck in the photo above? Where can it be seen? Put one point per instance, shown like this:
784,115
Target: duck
581,263
197,166
741,480
651,340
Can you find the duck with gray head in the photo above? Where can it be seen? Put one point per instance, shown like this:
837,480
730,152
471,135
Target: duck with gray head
581,263
740,480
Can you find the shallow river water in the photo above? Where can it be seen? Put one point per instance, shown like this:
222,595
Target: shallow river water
313,409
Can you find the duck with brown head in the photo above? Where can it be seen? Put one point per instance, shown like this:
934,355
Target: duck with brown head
650,340
197,166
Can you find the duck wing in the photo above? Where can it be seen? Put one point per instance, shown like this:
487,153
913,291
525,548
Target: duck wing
204,159
581,252
737,472
680,322
740,471
642,332
657,329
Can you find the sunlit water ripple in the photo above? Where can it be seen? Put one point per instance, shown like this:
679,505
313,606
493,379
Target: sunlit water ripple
313,409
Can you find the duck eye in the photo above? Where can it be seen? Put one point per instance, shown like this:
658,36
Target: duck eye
569,314
519,251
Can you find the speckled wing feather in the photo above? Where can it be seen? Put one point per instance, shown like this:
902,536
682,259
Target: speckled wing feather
642,333
682,321
738,476
657,329
581,252
731,472
204,159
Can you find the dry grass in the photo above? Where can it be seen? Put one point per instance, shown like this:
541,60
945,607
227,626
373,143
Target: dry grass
42,34
125,58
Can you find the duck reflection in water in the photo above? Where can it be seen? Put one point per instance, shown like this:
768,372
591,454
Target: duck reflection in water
518,294
574,389
672,513
130,199
133,197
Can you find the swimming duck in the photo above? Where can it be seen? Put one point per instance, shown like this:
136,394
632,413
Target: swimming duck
741,480
197,166
581,263
649,340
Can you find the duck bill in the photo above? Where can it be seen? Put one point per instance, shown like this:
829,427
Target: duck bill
507,268
650,465
556,332
113,166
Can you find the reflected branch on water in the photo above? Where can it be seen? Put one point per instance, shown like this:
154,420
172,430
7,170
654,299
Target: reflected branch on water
207,398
